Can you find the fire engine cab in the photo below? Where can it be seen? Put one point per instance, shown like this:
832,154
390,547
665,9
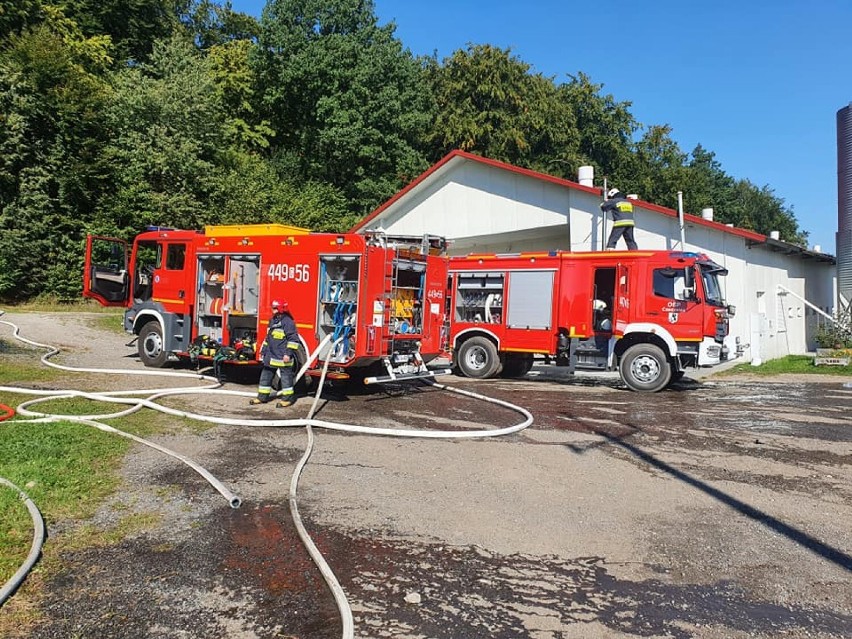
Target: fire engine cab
648,314
375,303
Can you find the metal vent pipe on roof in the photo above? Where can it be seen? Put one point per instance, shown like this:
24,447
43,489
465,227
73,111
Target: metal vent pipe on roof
707,214
775,235
586,175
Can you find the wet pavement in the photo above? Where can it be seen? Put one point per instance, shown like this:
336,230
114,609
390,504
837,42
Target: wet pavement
244,573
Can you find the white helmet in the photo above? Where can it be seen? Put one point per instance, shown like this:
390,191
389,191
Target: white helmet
612,192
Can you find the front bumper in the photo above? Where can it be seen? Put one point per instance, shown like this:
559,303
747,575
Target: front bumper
711,352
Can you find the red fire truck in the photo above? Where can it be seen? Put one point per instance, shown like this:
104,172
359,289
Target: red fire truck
380,300
647,314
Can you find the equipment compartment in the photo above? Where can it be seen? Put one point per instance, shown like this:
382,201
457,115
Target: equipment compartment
210,299
227,296
479,297
406,301
338,310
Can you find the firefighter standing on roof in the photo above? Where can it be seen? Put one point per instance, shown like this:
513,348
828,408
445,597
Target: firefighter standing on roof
279,355
622,219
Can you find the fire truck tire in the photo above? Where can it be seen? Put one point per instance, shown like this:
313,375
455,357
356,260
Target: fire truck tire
152,351
517,365
478,358
645,368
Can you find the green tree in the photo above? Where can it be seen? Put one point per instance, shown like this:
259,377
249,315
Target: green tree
659,168
211,23
167,131
489,102
236,86
346,101
133,25
254,190
15,15
707,184
759,209
605,127
51,100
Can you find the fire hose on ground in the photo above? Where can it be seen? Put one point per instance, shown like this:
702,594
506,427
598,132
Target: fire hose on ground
148,401
15,580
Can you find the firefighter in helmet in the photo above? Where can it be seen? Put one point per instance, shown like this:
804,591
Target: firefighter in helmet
621,210
279,355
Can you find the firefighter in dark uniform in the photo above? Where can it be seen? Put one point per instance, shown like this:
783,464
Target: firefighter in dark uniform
279,355
621,210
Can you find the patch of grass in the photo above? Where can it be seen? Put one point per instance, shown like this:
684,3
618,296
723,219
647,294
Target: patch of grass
67,470
49,304
796,364
111,321
76,406
89,536
23,365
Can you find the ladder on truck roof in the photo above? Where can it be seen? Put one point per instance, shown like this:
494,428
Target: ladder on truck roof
413,244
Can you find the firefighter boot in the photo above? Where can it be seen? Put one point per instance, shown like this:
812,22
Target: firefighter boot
255,401
284,403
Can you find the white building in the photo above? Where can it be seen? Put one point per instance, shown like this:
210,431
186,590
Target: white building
482,205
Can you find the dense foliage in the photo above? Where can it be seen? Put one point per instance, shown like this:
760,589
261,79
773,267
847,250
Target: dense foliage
115,115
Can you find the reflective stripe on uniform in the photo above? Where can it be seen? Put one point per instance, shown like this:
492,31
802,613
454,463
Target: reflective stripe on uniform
623,214
280,363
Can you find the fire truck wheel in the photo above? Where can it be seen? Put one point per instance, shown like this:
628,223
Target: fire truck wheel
478,358
151,349
645,368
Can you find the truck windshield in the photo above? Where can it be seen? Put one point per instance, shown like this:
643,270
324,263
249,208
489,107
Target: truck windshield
710,273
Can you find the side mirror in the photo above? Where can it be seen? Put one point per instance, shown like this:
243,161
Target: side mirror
732,310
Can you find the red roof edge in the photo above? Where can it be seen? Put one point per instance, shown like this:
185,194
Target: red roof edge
692,219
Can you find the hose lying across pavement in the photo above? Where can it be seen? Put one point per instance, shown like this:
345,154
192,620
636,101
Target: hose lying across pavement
135,404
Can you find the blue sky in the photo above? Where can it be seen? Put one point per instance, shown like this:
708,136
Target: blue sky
759,82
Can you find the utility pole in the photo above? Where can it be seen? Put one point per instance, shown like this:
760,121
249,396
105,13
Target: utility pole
603,218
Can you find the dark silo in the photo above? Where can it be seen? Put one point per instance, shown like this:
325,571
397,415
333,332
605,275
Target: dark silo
844,202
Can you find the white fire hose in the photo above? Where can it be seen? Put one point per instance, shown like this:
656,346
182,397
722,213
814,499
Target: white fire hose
148,401
15,580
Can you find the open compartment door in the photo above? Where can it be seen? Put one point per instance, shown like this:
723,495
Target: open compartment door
106,277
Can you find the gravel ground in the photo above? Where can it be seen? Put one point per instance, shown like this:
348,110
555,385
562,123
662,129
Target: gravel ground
720,508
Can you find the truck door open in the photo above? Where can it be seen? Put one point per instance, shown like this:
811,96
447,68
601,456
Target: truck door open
621,303
106,278
603,300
